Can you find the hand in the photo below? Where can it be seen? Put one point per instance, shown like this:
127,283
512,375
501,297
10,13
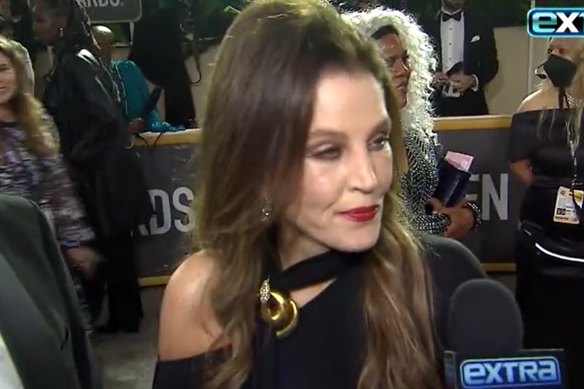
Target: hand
84,259
136,126
462,82
461,221
436,204
439,79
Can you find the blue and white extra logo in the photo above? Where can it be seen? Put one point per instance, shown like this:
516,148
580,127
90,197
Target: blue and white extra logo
523,372
552,22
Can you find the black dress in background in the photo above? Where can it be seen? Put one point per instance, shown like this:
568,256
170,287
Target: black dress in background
549,288
325,351
94,141
157,50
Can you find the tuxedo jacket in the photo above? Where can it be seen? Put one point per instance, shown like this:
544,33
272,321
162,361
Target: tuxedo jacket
480,59
40,318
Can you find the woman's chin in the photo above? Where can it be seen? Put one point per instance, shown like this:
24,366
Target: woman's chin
402,100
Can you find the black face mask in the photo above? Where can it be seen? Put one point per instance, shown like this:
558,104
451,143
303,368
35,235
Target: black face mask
559,70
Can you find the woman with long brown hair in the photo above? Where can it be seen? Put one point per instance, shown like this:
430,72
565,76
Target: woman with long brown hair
547,154
306,279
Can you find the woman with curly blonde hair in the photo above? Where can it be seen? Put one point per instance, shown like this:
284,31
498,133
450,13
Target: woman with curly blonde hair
410,58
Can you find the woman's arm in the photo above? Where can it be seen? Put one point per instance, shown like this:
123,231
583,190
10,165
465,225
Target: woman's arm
86,366
65,209
186,309
420,220
523,140
522,170
464,217
57,190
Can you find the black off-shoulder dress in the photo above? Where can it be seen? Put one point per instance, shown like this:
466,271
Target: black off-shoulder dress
550,280
540,137
325,351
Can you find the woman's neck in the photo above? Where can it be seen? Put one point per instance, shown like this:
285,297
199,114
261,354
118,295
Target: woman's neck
6,114
296,249
575,91
60,47
290,258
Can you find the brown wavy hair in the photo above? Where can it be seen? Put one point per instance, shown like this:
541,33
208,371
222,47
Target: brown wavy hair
259,111
25,107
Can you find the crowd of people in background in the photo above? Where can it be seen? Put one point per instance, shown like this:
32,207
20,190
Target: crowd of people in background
64,152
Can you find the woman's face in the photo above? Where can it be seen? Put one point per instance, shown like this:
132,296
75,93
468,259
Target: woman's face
568,48
47,26
347,170
8,80
396,59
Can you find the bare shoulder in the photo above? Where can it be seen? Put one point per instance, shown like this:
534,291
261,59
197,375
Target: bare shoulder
537,100
187,324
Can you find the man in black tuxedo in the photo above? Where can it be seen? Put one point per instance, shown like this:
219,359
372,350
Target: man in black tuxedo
467,60
43,344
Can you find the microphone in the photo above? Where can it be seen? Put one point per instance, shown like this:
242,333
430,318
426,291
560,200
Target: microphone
151,102
484,338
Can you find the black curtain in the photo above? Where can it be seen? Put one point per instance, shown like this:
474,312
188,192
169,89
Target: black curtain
157,50
22,27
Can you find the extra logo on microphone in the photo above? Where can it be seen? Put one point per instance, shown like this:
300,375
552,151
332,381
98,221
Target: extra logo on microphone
555,22
519,372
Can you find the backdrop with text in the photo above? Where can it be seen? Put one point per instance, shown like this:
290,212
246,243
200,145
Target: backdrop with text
169,166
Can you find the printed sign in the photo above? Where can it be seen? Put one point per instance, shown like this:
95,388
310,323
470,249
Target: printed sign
113,11
164,242
171,174
493,188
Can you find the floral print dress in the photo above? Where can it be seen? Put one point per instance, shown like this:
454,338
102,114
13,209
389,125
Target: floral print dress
44,180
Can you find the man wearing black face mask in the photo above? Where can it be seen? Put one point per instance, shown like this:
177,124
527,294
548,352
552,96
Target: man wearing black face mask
547,155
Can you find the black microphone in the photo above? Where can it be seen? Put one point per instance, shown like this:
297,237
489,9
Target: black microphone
484,339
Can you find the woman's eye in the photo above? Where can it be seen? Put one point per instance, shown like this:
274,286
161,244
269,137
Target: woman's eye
328,153
380,142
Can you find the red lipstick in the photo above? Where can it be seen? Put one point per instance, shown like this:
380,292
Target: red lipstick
361,214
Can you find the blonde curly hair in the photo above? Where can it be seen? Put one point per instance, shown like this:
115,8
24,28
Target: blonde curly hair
417,115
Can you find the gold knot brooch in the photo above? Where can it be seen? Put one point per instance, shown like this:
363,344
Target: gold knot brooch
278,310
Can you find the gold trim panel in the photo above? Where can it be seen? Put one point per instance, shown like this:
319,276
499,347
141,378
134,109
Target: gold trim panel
494,122
487,122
